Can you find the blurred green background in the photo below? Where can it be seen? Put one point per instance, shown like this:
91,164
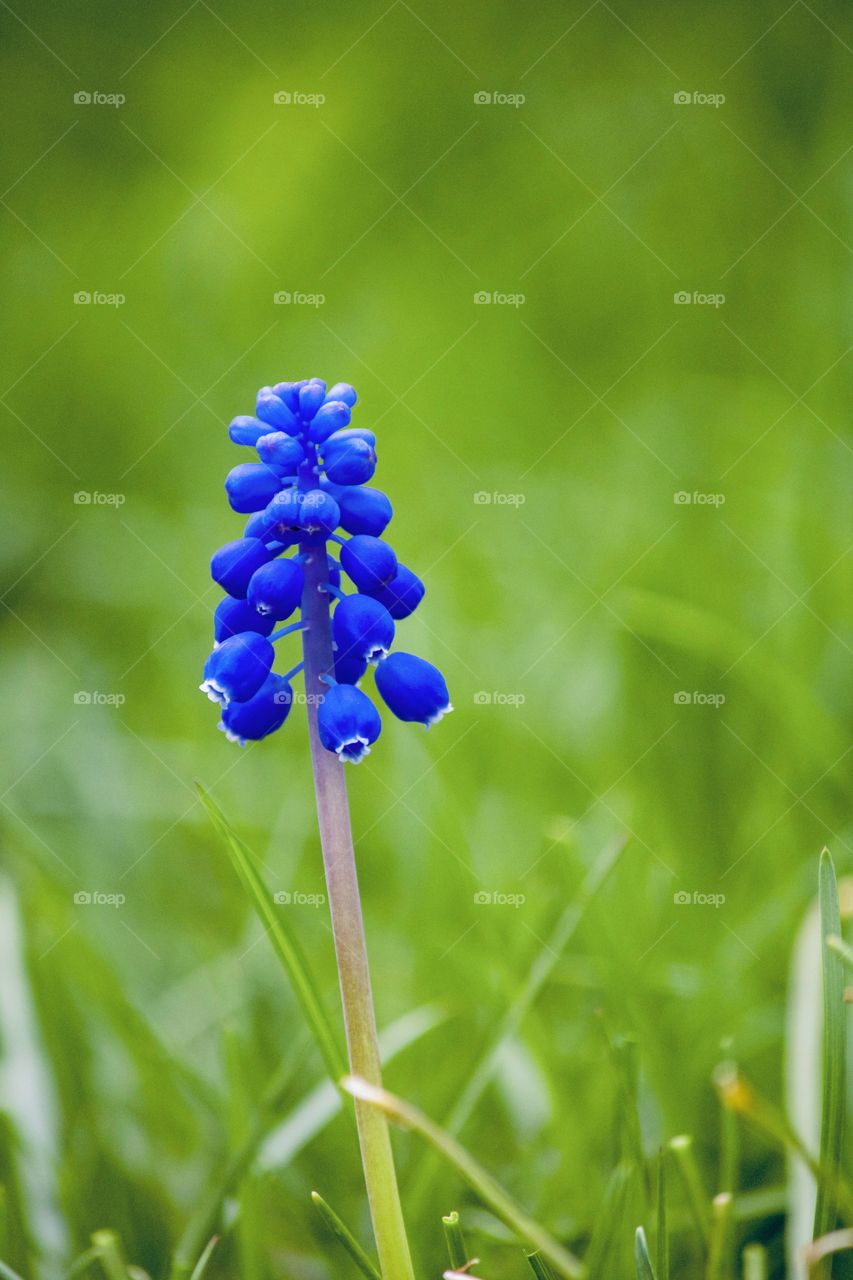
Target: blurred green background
534,447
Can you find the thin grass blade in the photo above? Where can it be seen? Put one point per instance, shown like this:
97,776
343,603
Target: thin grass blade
482,1183
834,1070
456,1249
342,1233
642,1261
284,942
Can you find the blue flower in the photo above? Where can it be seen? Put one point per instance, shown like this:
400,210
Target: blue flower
232,566
276,588
281,452
245,430
233,616
402,595
271,409
363,510
330,417
348,722
413,688
369,562
261,714
350,461
237,668
307,489
362,628
250,486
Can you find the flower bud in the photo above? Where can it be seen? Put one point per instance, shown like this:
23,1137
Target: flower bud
250,486
403,593
363,510
262,714
348,722
245,430
232,566
369,562
342,391
276,588
235,670
413,689
351,462
311,396
269,408
281,452
233,616
362,628
329,418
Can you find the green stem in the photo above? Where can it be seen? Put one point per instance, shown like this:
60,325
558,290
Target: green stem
348,929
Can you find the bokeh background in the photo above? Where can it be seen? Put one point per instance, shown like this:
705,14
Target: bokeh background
538,448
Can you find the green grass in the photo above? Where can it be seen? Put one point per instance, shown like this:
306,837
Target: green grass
597,600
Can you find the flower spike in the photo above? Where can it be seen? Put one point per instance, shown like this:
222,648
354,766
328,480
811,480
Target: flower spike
308,488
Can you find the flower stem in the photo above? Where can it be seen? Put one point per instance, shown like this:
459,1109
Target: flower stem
348,928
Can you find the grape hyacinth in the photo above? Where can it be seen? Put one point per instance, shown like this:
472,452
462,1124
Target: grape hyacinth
310,488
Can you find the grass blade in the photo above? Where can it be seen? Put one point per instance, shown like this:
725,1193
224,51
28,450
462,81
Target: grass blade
538,976
201,1266
642,1261
346,1237
284,942
455,1240
539,1266
756,1265
682,1149
663,1227
834,1056
720,1259
482,1183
